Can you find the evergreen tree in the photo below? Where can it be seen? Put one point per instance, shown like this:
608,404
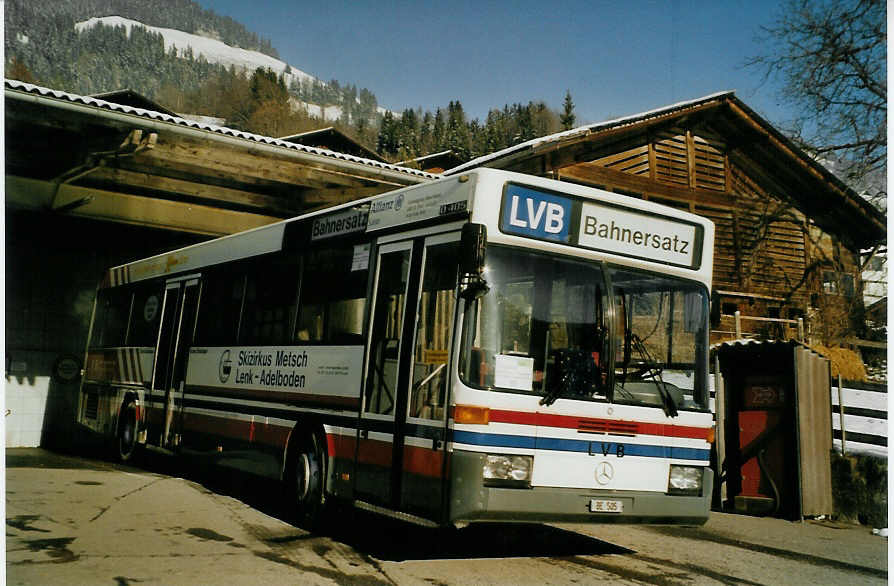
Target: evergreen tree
387,143
568,118
458,137
438,133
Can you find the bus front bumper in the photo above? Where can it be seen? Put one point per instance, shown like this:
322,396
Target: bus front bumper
471,501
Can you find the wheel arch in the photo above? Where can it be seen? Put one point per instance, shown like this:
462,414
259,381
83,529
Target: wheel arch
300,432
128,397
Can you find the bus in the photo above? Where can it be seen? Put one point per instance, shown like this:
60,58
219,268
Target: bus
490,346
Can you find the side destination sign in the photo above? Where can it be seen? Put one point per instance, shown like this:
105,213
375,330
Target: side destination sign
608,228
345,222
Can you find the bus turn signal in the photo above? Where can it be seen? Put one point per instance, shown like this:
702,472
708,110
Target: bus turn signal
471,414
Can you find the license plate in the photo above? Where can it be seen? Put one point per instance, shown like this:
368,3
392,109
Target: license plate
604,506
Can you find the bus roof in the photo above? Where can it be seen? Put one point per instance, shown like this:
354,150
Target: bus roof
447,198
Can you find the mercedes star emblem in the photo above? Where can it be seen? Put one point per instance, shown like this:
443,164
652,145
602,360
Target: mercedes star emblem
604,473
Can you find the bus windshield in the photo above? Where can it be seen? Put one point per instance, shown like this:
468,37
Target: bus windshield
544,328
661,338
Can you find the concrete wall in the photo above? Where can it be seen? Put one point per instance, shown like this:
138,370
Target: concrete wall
53,264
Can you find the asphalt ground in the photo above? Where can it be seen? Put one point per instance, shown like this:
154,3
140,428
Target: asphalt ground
73,519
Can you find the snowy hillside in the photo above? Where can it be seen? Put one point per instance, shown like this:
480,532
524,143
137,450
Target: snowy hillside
214,51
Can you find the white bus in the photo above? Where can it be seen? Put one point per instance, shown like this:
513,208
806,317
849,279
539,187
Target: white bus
486,347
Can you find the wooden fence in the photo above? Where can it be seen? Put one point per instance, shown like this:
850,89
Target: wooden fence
865,417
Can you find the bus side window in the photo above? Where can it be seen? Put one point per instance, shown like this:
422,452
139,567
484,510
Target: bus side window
145,317
332,303
220,308
112,314
270,297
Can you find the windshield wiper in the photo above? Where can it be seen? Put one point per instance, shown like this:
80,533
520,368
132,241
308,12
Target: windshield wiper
654,371
550,395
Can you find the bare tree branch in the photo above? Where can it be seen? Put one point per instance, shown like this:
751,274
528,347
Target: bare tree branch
830,56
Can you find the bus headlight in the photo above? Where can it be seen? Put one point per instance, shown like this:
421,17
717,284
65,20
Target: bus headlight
685,480
507,470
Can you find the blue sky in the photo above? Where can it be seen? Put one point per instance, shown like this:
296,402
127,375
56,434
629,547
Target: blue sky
616,58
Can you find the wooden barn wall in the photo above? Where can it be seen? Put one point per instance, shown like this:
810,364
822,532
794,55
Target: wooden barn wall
772,242
763,246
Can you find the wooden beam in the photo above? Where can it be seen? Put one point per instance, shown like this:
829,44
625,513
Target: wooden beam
254,166
230,165
27,193
690,158
866,343
111,206
336,195
594,174
215,193
194,168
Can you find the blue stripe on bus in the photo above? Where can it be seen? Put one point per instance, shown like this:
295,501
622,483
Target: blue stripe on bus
570,445
493,439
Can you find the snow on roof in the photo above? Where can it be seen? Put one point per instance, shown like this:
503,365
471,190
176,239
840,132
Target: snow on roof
200,125
584,130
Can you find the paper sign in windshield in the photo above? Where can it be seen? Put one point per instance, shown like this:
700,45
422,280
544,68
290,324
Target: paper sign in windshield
514,372
638,235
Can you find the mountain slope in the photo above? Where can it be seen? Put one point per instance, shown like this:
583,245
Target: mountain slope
212,50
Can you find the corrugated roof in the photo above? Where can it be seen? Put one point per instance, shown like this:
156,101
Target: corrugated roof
742,342
159,116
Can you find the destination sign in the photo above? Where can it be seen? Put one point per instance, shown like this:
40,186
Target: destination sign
536,214
639,235
608,228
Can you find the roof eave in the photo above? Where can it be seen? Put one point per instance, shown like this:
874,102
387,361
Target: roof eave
235,138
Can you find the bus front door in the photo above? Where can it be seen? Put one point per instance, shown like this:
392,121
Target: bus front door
402,437
178,320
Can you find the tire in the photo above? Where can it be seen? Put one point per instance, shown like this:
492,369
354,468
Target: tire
127,444
305,484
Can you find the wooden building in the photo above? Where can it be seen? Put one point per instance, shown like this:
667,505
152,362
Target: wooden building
789,233
335,140
435,162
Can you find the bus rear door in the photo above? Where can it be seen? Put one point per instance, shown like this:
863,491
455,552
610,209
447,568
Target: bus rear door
178,321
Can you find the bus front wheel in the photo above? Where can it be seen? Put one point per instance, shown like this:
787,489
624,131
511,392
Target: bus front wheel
306,481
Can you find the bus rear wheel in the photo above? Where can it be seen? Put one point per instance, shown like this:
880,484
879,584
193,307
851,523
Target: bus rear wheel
305,485
127,433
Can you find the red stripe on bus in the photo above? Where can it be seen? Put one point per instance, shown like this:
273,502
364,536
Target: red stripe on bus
257,432
375,452
341,446
423,461
588,424
417,461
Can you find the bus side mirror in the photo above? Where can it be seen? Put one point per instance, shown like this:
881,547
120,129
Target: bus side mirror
473,246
